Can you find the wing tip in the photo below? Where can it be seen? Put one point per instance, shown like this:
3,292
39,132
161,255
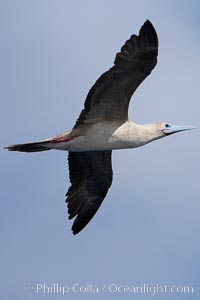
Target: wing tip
149,24
76,228
149,31
9,148
75,232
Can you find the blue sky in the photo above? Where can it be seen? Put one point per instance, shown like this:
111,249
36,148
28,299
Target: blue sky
147,230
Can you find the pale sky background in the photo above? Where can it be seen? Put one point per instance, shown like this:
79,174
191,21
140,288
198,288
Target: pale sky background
147,229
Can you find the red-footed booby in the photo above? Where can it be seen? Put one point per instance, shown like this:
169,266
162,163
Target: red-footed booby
103,126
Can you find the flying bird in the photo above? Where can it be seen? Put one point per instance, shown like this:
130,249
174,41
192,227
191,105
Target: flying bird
103,126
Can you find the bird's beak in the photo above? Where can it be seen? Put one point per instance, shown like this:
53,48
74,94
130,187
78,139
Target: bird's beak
175,128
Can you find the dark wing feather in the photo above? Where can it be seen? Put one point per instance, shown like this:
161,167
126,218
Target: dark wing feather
109,97
91,177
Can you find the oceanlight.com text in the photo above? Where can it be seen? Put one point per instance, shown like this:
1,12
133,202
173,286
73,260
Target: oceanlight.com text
109,288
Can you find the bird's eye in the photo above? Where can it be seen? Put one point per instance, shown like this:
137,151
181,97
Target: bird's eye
167,125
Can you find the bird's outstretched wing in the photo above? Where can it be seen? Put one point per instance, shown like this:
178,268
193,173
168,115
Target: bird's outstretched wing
109,98
91,177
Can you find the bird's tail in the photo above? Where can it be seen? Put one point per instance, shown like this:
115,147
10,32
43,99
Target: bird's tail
29,147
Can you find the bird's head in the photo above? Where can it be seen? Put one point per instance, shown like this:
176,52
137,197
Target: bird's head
151,132
167,128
